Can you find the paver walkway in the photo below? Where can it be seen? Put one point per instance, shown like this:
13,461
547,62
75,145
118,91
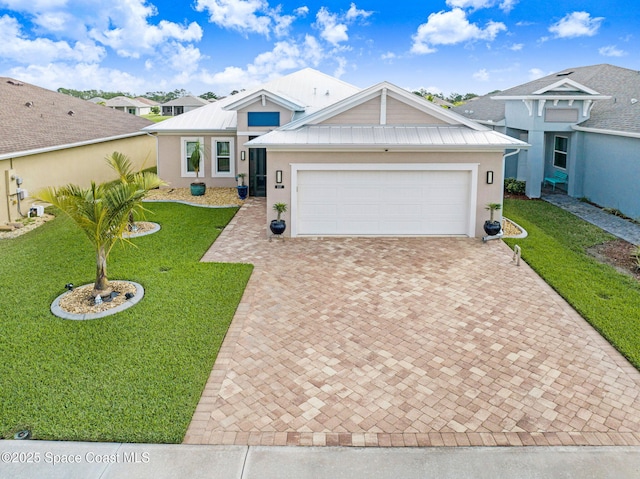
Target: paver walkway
615,225
406,342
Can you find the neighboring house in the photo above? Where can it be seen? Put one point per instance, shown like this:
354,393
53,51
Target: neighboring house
52,139
147,101
129,105
97,99
582,121
379,161
182,105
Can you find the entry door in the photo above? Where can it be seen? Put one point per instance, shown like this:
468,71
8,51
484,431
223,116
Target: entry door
257,172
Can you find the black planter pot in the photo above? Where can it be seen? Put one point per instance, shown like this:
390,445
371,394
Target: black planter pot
277,227
243,190
492,228
198,189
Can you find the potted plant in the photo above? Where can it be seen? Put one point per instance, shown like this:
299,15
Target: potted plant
243,190
492,227
198,188
278,226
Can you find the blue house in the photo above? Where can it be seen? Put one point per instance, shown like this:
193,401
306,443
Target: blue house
581,122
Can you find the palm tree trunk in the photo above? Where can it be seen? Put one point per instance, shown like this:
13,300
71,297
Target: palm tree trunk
102,282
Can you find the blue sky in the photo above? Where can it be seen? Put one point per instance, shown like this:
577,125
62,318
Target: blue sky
221,45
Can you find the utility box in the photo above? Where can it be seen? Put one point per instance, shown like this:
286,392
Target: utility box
36,210
10,177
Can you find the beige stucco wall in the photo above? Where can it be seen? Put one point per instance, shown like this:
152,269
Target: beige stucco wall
79,165
282,160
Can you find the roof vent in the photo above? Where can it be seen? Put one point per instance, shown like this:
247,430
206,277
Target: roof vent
71,113
634,101
15,82
327,93
29,104
564,74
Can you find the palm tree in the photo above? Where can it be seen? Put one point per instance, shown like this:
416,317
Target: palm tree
102,213
121,164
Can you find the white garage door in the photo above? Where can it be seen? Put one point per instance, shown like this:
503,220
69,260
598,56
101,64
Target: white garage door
383,202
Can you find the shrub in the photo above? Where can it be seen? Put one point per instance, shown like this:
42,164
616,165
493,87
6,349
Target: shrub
636,256
514,186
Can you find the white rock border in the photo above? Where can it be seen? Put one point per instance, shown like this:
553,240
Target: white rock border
524,233
155,229
59,312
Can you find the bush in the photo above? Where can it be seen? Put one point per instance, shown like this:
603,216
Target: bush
515,187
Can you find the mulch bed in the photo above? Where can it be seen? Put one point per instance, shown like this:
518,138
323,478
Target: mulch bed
82,301
619,254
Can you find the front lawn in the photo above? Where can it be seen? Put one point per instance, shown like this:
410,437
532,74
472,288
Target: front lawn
556,249
136,376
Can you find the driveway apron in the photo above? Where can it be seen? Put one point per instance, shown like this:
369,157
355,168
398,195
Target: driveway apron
405,342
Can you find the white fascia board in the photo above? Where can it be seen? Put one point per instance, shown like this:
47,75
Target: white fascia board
390,148
626,134
37,151
187,132
256,96
552,97
564,82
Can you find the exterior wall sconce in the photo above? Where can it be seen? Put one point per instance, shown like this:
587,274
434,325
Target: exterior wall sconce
243,155
278,176
489,177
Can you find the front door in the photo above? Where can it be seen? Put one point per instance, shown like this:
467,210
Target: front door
257,172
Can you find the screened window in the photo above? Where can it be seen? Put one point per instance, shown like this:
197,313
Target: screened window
223,158
560,150
188,146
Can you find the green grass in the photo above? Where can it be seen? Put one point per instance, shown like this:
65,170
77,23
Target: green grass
556,250
155,118
136,376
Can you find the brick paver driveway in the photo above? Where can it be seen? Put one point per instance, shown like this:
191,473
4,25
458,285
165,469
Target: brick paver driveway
405,342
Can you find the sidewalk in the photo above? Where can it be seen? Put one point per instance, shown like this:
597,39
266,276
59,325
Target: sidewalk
114,461
615,225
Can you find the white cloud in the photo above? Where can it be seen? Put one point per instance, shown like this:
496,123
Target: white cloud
449,28
576,24
17,48
301,11
284,57
481,75
126,29
80,76
611,51
241,15
536,73
333,27
388,56
341,69
506,5
516,47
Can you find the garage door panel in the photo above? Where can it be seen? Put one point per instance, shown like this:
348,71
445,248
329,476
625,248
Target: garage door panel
383,202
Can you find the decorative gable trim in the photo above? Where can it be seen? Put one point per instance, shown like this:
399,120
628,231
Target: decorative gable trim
262,96
566,86
384,90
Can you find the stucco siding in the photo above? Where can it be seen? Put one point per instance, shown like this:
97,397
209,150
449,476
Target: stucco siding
170,161
612,172
78,165
281,160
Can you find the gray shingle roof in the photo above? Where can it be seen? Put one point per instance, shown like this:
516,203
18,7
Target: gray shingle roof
32,118
620,113
187,100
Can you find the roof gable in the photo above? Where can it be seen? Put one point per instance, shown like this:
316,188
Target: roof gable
565,86
262,96
384,91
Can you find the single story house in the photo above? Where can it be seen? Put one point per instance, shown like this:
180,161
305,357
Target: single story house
52,139
581,122
129,105
380,161
182,105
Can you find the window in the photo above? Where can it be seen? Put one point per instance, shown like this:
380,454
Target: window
223,157
560,149
188,145
263,118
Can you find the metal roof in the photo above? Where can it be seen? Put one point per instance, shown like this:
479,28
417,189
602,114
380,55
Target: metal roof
307,87
381,136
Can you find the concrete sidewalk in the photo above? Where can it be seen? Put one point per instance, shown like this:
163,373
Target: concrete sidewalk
51,460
